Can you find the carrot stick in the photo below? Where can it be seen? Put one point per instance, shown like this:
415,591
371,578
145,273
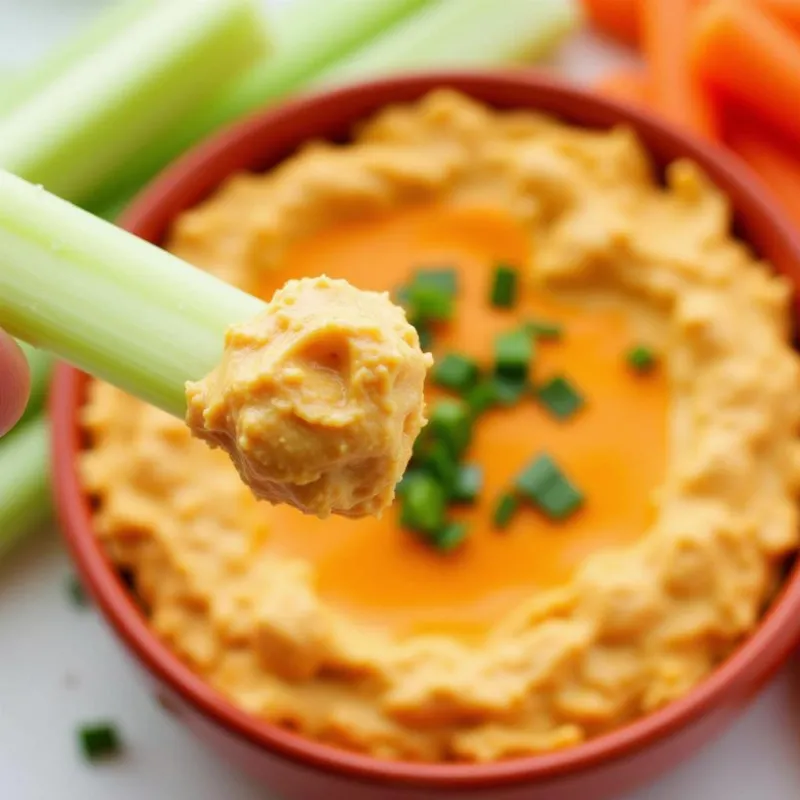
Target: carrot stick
775,161
630,85
618,19
675,87
751,58
787,12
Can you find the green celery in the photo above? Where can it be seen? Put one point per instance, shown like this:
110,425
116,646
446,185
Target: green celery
110,22
462,33
307,36
111,304
24,480
40,364
76,132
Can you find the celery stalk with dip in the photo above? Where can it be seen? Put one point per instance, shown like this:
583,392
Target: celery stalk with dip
253,378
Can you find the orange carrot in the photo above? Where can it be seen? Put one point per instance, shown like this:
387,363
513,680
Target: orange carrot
786,12
675,86
628,84
618,19
752,59
776,161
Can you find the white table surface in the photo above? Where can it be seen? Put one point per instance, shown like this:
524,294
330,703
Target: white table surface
60,666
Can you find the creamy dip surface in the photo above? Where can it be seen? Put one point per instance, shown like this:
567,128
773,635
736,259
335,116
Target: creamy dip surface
545,633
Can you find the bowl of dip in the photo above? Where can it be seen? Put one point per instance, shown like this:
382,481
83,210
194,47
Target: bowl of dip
577,646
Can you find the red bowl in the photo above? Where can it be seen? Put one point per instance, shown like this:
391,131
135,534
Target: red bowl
302,769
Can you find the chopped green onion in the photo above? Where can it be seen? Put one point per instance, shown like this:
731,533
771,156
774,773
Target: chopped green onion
423,506
560,499
443,279
451,423
309,36
427,303
537,476
456,372
467,484
450,536
116,306
425,336
440,463
508,391
99,740
641,359
24,480
411,474
543,483
77,594
95,115
513,352
481,397
505,285
460,33
560,397
542,329
505,508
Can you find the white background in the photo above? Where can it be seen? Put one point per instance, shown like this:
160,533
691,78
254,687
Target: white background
60,666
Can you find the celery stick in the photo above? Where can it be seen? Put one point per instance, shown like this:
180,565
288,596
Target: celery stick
86,123
108,23
24,480
40,364
111,304
307,36
462,33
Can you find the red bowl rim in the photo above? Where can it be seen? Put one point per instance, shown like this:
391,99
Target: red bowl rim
755,659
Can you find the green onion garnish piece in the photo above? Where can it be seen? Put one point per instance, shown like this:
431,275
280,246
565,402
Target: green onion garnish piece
456,372
560,397
99,740
513,352
544,485
508,391
442,279
440,463
537,476
427,303
481,397
77,594
641,359
451,423
504,510
116,306
425,336
467,484
429,296
560,499
408,477
450,536
543,329
424,504
505,284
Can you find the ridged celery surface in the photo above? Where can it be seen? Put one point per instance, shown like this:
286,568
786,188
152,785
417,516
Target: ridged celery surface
24,480
78,129
306,36
110,22
462,33
107,302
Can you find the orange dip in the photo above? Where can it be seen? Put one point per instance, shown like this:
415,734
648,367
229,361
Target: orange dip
614,448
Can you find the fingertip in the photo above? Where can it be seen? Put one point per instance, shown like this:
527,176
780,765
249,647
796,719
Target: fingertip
15,382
